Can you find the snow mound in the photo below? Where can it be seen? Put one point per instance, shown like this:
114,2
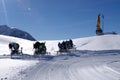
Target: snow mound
104,42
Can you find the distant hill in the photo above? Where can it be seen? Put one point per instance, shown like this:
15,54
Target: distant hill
5,30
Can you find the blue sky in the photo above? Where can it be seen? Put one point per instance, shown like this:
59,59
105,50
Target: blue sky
60,19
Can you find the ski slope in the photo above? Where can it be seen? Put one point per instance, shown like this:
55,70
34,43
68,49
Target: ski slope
76,68
96,58
63,67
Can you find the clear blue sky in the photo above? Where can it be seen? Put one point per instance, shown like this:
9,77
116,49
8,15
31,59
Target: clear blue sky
60,19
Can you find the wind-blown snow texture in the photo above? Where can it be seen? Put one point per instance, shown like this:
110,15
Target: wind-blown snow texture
95,58
5,30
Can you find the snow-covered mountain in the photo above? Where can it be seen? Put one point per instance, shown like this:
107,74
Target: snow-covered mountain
105,42
5,30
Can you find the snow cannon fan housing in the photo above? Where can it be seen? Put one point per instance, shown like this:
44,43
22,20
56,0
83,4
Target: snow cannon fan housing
40,48
14,48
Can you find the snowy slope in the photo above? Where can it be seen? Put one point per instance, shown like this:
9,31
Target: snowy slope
105,42
76,68
72,66
5,40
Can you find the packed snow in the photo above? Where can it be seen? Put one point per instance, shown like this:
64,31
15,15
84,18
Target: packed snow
68,67
95,58
14,69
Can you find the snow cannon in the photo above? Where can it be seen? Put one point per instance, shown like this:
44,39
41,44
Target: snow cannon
40,48
99,31
14,47
65,46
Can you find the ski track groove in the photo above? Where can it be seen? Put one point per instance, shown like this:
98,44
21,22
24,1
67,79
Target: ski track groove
72,70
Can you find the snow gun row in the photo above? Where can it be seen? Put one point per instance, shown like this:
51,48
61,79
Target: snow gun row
40,48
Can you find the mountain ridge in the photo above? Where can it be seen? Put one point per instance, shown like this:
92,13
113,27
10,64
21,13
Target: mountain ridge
5,30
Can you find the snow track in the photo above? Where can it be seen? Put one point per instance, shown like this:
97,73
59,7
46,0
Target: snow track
75,68
95,73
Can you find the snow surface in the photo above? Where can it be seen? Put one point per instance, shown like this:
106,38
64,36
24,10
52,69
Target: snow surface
95,58
105,42
13,69
68,67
